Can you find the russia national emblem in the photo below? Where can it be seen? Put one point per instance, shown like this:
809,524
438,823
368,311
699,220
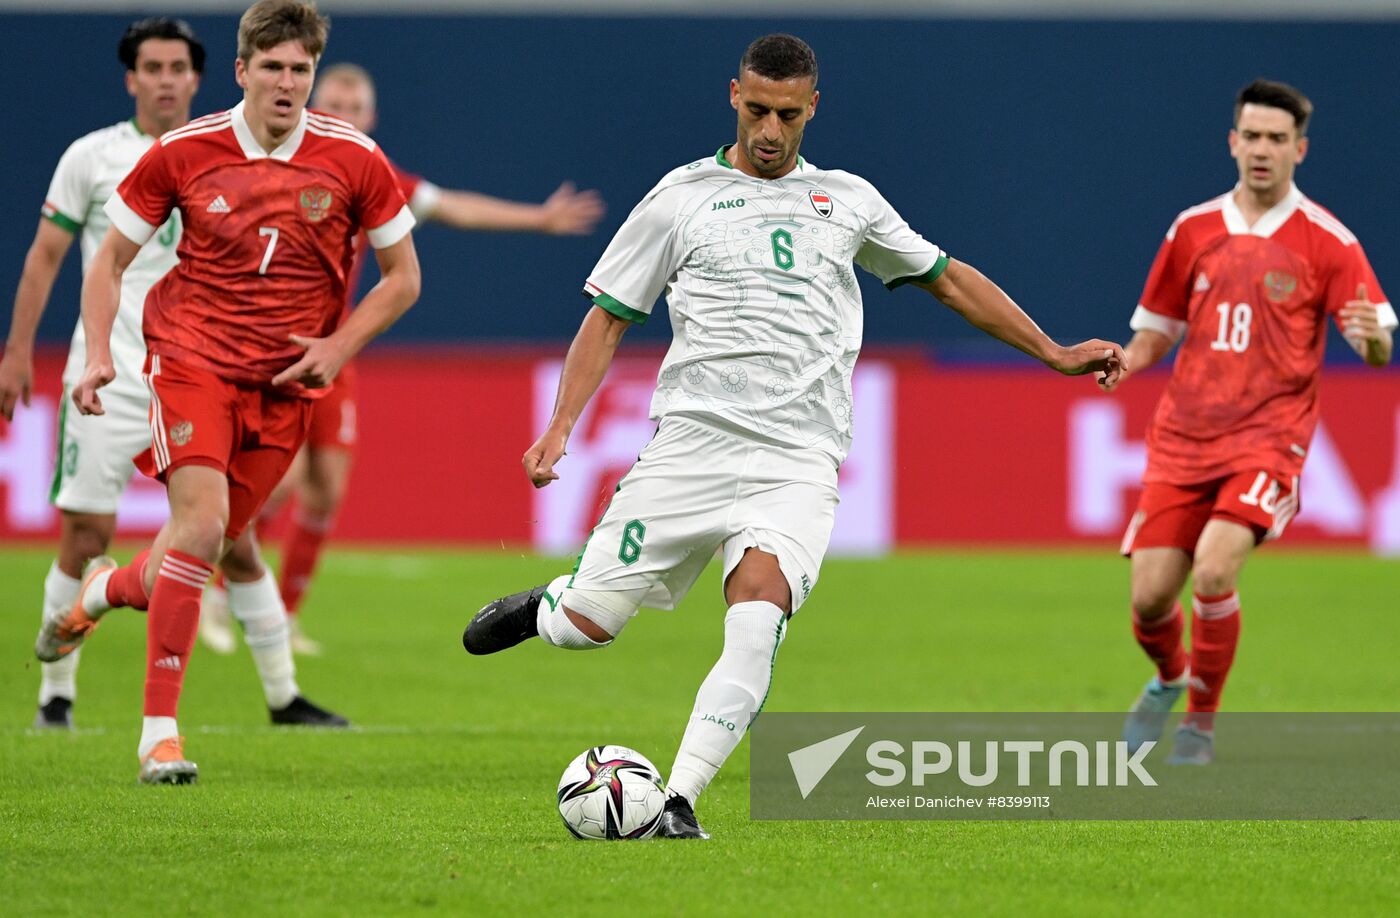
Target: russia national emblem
1279,286
315,203
821,202
180,433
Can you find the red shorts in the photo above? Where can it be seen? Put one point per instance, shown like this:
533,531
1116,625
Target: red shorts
333,416
198,418
1172,516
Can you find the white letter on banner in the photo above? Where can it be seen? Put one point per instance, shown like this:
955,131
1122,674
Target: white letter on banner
1103,463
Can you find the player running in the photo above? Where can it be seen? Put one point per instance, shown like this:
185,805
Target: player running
321,472
164,61
241,334
1246,282
754,247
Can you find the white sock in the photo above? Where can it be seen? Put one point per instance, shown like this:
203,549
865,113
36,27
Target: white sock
731,695
59,679
555,627
259,609
153,730
95,599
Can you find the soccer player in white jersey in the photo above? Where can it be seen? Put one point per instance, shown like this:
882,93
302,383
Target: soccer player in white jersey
164,60
753,247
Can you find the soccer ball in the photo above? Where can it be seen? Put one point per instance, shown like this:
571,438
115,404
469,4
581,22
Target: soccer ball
611,792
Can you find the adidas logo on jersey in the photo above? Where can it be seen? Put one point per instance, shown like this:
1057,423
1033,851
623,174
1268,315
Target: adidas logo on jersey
171,663
1202,282
218,206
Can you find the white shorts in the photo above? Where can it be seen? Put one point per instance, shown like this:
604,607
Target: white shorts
697,488
93,462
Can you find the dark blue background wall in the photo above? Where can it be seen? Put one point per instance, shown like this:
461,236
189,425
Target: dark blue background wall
1051,155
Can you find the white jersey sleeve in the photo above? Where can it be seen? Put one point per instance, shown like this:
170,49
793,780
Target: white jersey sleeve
70,191
892,251
639,262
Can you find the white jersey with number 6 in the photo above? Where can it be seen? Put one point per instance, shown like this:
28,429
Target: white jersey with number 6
765,308
86,176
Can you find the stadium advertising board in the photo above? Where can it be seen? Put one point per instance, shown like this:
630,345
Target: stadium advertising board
942,456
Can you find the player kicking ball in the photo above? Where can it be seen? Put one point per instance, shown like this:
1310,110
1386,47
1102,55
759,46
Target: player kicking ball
240,335
754,247
1246,284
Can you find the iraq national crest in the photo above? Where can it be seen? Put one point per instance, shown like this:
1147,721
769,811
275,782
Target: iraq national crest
821,202
316,203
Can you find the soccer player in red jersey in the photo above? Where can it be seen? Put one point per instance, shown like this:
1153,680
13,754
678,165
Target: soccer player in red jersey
321,472
243,334
1247,283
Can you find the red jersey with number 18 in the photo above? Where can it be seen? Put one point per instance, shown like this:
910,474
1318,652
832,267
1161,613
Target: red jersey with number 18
268,237
1249,305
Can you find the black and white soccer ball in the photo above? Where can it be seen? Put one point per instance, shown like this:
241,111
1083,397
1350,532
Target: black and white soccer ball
611,792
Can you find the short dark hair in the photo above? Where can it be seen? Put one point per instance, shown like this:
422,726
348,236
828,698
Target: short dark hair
159,27
1276,95
268,23
780,57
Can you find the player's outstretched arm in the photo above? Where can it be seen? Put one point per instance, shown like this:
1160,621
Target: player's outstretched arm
41,265
101,296
966,291
1361,325
397,290
587,363
566,212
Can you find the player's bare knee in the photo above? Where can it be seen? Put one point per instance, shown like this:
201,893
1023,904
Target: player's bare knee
241,563
1152,602
1213,578
200,535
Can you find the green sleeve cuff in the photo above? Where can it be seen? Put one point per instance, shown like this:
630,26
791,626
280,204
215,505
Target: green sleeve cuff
619,309
62,221
928,277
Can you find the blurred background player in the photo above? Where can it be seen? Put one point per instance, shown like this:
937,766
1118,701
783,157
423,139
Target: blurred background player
240,334
321,472
753,405
1246,283
164,61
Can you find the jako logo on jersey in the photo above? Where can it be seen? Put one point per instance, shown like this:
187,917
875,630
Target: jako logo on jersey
821,202
315,204
1202,282
727,205
180,434
218,206
1279,286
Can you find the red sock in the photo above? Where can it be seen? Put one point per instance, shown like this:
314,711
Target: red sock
127,585
1161,640
301,549
1215,631
170,629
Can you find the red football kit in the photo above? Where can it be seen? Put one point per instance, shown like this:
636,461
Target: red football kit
334,418
266,252
1250,307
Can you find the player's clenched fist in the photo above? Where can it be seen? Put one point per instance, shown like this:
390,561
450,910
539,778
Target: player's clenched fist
539,459
95,376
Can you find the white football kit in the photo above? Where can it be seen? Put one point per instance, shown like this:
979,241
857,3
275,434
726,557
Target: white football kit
754,396
93,464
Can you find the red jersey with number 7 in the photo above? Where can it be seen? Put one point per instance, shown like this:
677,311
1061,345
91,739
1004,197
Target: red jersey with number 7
267,246
1249,305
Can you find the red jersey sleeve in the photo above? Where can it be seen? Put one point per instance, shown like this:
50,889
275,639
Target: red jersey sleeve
380,204
146,196
1349,270
1168,287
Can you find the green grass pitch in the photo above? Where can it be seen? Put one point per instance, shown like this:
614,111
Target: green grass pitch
442,798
